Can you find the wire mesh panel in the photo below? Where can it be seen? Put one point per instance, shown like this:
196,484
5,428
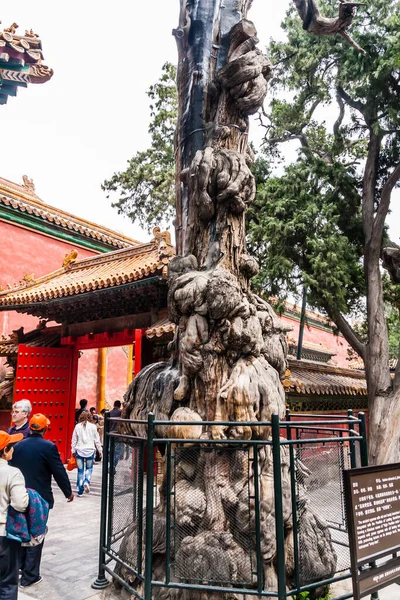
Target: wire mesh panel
211,515
126,503
252,515
320,491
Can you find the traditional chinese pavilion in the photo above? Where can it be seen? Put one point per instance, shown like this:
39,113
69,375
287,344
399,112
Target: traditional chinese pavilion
37,239
104,301
21,61
120,299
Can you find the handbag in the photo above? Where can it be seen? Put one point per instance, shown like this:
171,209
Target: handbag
28,527
72,464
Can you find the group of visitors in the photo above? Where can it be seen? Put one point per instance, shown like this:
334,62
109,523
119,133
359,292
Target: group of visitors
27,464
26,469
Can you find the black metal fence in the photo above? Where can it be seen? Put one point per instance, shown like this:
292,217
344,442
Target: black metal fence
259,517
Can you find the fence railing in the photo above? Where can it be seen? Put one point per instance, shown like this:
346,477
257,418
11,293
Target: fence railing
256,517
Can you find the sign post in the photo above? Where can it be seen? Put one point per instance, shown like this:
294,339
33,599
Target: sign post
373,512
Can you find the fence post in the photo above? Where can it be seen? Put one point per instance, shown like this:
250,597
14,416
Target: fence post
101,582
364,443
353,462
149,508
280,533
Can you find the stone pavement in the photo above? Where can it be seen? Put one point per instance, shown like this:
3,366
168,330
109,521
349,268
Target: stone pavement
70,553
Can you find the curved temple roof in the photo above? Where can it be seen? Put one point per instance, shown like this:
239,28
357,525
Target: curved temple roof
20,61
22,199
94,273
306,377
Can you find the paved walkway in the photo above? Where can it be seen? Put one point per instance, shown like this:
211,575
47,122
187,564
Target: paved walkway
70,553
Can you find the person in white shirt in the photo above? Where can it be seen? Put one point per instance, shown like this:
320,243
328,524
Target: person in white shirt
85,440
12,493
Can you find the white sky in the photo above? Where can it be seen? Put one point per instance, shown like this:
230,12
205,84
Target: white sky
79,128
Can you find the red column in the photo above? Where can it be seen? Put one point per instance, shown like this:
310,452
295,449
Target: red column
138,351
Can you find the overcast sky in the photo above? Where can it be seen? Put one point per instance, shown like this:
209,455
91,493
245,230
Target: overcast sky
79,128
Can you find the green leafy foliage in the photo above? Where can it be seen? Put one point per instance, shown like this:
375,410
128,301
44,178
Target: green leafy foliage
306,225
146,189
306,596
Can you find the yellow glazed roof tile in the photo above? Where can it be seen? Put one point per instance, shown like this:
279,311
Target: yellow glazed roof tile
103,271
24,199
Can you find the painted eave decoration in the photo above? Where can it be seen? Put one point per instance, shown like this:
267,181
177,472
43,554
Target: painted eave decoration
22,199
111,269
21,61
42,336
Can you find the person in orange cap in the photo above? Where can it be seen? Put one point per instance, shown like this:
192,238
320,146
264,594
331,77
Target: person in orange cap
39,460
12,493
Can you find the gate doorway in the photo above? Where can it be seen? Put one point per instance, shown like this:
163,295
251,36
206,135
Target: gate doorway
44,376
48,377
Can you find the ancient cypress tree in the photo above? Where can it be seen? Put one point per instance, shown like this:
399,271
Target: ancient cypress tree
324,221
229,350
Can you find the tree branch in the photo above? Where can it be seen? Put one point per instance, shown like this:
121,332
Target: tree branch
315,23
339,120
384,204
356,104
312,110
349,334
350,41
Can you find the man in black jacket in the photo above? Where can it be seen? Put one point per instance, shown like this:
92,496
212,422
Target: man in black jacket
38,459
83,408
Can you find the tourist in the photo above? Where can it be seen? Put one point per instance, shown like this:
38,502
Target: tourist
20,418
83,404
12,493
100,425
85,440
39,460
94,415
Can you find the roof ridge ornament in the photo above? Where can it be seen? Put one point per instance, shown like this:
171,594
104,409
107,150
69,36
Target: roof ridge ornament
159,236
28,184
31,34
69,259
12,29
166,250
27,280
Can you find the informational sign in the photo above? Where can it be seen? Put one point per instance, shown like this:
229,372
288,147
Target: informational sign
373,516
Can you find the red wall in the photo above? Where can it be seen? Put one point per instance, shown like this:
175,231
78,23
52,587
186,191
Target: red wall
316,335
28,251
117,367
87,377
116,372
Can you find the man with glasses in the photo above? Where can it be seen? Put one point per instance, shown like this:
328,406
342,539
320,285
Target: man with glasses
20,418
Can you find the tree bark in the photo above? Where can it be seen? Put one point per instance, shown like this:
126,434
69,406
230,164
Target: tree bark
383,397
229,350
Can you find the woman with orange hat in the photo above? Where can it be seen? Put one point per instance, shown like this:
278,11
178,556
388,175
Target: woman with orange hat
12,493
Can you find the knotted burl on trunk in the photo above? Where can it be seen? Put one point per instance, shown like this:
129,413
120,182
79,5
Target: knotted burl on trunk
227,359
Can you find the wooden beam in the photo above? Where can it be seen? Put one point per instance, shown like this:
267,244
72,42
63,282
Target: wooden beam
100,340
112,324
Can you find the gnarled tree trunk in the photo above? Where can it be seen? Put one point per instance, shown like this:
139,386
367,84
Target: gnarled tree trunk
229,350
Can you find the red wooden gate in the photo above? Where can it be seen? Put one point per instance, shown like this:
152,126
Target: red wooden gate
44,377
